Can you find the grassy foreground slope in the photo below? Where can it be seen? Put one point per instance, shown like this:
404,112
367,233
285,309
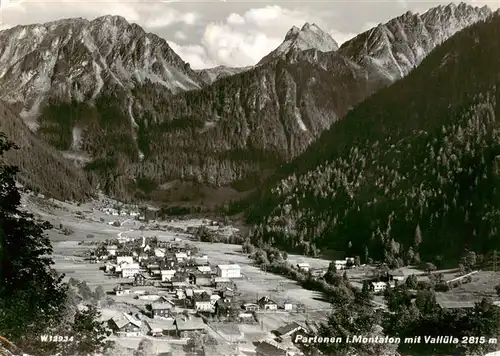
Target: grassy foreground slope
413,170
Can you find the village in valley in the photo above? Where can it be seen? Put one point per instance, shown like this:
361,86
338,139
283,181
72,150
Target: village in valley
180,294
154,279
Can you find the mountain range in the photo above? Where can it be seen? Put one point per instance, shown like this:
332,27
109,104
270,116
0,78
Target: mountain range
133,116
410,174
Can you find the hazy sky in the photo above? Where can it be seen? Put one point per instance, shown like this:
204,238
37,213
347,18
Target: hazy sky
234,33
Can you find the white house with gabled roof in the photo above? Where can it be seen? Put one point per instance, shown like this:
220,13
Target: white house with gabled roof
229,271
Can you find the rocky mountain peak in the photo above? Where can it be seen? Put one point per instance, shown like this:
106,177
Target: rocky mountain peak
452,10
292,33
310,27
398,46
79,59
310,36
115,19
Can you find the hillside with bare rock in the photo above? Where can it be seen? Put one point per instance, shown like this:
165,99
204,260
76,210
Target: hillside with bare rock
42,168
119,102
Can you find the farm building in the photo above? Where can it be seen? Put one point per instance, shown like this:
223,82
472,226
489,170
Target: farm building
139,280
186,325
130,270
124,259
119,291
222,307
397,275
112,250
303,267
161,327
125,325
201,261
270,348
378,286
204,269
222,283
181,256
167,274
200,279
250,307
290,329
267,304
109,267
159,252
229,271
204,305
163,310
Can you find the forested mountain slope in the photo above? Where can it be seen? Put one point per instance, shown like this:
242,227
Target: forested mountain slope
42,168
397,47
412,170
119,100
210,75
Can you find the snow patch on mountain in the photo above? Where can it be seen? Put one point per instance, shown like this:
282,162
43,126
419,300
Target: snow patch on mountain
98,78
131,114
298,116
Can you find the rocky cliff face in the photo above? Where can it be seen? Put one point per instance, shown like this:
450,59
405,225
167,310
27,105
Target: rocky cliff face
310,36
76,59
414,158
123,103
42,168
255,120
397,47
210,75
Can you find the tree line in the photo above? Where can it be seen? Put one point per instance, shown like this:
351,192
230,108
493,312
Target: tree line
34,299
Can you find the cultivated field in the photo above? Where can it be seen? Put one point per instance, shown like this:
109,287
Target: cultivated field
88,223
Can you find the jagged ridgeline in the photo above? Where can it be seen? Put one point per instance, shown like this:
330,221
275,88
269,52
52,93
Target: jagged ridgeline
228,133
107,94
413,169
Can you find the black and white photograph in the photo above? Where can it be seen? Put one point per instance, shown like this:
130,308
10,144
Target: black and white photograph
249,178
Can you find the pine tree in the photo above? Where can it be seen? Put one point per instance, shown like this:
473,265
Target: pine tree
32,295
33,298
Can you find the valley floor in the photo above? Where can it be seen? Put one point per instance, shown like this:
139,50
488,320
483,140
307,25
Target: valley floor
89,223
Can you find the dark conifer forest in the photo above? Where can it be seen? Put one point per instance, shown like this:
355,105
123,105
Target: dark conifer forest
419,158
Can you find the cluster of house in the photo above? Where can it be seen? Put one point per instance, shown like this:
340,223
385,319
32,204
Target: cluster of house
166,320
127,325
116,212
169,265
347,263
182,326
386,281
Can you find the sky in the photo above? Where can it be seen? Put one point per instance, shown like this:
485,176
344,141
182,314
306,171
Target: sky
223,32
